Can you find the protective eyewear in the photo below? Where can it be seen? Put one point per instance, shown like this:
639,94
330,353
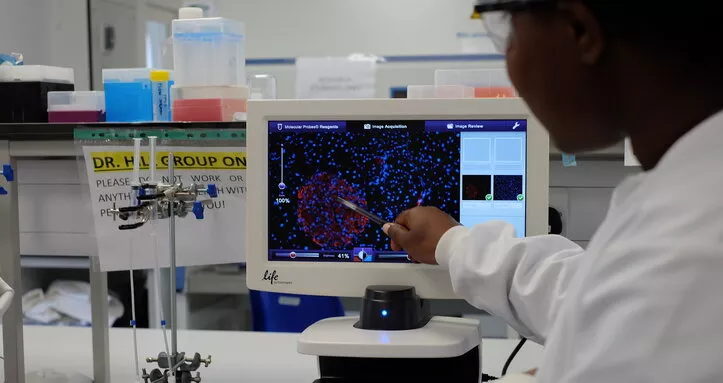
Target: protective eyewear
497,20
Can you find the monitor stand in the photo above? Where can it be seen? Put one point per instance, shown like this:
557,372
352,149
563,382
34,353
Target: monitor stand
394,340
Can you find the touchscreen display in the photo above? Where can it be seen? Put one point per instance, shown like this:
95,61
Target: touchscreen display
473,170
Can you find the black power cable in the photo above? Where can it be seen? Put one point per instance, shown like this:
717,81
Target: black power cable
513,355
487,378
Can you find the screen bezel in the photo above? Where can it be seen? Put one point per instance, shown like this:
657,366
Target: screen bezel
351,279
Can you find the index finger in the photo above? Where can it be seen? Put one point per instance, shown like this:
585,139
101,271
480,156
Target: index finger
403,218
395,232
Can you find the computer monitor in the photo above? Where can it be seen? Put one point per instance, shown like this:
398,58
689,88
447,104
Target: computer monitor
476,159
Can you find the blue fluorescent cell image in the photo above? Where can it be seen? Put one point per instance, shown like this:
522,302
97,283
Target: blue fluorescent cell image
384,171
507,188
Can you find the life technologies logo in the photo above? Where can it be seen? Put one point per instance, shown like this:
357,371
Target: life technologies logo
273,278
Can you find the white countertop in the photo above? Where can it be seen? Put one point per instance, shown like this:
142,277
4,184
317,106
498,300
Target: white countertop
236,356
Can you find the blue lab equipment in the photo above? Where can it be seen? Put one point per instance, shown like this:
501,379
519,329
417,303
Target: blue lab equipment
180,279
9,174
275,312
128,95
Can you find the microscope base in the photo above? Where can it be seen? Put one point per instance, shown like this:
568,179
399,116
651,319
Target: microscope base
444,350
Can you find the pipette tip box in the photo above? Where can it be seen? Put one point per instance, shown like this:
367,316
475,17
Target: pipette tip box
208,51
24,91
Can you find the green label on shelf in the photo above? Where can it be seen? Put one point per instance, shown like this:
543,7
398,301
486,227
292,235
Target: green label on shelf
169,134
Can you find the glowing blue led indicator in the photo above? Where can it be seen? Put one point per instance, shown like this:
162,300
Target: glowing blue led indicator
385,313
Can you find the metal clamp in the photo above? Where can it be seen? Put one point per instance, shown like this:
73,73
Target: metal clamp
154,201
184,368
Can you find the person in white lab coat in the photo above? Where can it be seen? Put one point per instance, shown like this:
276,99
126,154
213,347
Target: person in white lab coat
644,301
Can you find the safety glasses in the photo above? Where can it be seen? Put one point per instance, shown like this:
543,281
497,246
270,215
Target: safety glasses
496,16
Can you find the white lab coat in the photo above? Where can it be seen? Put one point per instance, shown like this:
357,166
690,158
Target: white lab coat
642,304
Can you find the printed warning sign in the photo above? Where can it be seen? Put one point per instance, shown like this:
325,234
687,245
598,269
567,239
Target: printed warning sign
215,239
104,162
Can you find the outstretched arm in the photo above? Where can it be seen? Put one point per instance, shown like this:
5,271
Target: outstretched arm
522,280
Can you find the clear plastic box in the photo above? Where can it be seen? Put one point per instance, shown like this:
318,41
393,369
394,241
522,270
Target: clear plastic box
37,73
79,100
440,91
68,107
209,103
487,83
262,87
76,107
208,51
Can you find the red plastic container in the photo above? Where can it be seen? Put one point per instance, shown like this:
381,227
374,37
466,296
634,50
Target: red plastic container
494,92
209,103
208,109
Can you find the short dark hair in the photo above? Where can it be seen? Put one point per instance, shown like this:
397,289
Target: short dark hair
676,31
655,21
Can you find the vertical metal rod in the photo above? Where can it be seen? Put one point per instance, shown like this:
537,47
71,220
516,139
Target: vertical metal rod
99,316
172,247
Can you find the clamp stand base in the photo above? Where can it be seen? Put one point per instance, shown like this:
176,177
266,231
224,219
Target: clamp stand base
184,368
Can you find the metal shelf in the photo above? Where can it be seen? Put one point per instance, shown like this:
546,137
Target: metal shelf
65,132
48,262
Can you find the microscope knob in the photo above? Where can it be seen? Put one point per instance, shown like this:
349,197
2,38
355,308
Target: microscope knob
212,190
198,209
8,173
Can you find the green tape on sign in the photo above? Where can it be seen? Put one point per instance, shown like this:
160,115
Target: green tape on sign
170,134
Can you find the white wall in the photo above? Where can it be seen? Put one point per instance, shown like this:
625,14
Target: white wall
293,28
128,18
582,194
55,32
48,32
22,29
68,31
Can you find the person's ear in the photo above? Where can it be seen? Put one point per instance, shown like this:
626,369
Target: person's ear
585,29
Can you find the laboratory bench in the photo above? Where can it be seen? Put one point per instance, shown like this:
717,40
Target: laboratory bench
43,226
236,356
